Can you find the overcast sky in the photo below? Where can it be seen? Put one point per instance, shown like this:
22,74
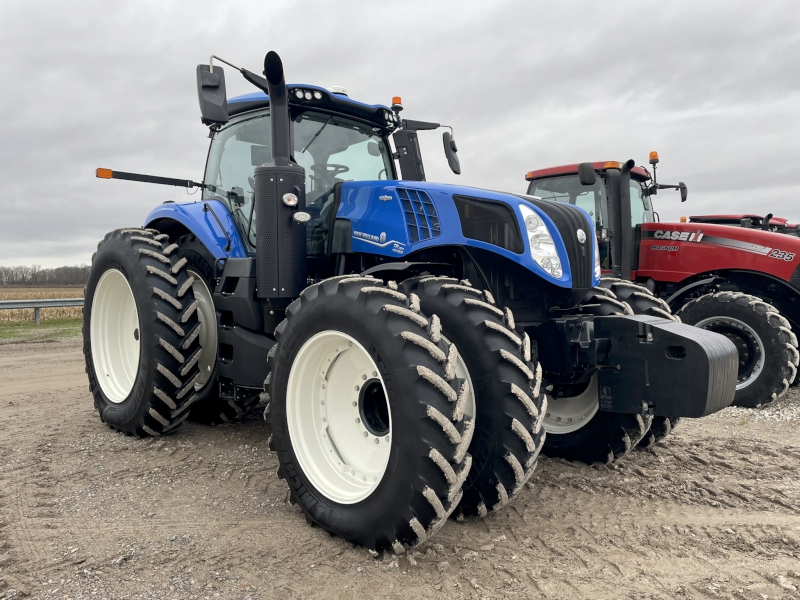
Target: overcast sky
713,86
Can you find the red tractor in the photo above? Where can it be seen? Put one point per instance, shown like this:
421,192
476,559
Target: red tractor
742,282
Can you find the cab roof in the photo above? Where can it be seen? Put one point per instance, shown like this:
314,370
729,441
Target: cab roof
377,114
640,172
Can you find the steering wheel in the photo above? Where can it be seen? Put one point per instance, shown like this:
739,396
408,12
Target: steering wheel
330,170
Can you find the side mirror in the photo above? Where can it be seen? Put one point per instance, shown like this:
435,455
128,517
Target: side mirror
212,95
450,150
586,174
684,191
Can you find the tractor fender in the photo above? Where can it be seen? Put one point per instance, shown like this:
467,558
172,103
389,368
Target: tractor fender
210,221
773,290
678,298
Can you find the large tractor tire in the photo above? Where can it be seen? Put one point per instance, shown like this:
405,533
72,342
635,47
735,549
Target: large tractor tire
504,398
643,302
209,406
639,298
576,428
768,353
367,414
141,334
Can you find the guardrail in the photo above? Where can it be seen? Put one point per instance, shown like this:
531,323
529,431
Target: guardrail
36,305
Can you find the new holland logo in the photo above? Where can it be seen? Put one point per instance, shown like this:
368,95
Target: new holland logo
383,236
581,235
678,236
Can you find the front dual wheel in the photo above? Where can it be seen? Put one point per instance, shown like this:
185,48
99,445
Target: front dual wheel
367,416
338,416
504,394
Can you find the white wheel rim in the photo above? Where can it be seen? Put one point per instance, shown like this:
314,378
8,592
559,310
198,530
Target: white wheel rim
744,328
115,335
334,387
463,373
208,329
565,415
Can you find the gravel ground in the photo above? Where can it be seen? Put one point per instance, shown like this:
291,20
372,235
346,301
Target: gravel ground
86,512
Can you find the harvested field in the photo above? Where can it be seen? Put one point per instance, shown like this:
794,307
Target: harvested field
86,512
26,314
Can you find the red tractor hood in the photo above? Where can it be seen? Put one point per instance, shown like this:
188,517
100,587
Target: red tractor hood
676,251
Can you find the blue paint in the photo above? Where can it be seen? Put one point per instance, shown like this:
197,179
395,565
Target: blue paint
204,225
379,225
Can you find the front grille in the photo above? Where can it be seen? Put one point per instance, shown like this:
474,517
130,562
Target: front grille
568,220
422,220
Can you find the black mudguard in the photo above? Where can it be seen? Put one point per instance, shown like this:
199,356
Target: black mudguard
664,368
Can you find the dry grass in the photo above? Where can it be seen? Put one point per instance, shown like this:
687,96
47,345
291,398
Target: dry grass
26,314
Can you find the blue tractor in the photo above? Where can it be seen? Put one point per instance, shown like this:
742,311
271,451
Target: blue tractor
396,329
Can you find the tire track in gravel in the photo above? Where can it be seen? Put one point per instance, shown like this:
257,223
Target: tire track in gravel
710,514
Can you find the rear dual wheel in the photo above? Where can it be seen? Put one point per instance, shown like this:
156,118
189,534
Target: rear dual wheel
367,416
141,333
209,406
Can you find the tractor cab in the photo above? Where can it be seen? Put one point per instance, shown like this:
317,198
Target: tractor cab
334,138
563,184
332,147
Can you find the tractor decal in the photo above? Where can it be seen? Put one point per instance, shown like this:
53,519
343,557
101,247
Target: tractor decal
678,236
699,237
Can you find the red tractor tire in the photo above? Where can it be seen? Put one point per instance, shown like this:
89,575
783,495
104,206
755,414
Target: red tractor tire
768,354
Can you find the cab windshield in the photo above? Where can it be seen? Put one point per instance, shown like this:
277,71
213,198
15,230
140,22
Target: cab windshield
568,189
592,198
331,148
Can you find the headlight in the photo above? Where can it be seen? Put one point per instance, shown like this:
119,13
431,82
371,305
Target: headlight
543,247
597,271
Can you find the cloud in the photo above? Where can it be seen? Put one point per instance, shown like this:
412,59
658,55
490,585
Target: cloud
712,86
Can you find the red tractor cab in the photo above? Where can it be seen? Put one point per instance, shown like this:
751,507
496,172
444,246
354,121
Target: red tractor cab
742,281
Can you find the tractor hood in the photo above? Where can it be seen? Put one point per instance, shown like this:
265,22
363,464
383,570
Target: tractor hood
396,218
676,251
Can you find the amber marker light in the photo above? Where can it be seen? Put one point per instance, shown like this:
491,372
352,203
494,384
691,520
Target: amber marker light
612,164
653,157
105,173
683,219
397,100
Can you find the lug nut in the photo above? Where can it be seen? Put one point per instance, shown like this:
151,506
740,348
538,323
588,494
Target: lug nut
377,441
374,373
355,403
365,434
386,438
364,377
356,388
358,420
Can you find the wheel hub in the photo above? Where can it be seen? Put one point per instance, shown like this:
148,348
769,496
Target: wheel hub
340,423
208,329
115,335
747,342
569,413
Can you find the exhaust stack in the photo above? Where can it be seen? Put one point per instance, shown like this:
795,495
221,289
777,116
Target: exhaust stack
280,192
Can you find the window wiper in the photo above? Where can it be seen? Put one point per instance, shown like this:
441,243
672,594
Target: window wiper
316,135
